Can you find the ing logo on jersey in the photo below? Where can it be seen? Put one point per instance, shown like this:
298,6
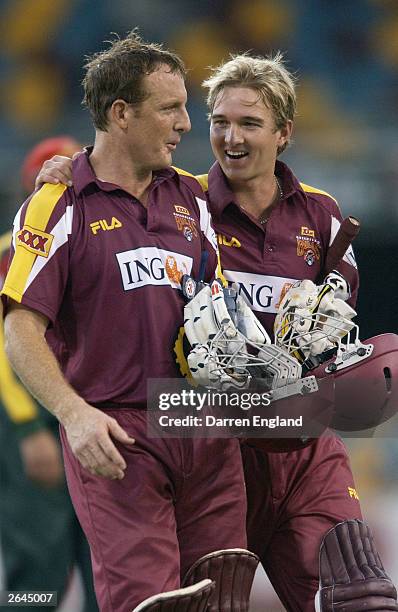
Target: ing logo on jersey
172,270
228,242
152,266
103,224
35,241
283,292
261,292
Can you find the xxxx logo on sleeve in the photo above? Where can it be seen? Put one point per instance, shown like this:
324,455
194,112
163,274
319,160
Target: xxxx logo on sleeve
35,240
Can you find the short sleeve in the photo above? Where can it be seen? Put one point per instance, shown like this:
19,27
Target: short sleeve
39,263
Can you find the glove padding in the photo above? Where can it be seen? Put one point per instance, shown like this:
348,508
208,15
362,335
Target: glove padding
300,323
352,576
339,284
205,317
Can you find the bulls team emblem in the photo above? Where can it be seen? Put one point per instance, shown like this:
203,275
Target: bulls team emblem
309,257
308,246
35,241
185,222
188,233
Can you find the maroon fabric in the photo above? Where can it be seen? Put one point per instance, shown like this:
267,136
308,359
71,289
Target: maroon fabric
179,500
113,291
273,256
293,499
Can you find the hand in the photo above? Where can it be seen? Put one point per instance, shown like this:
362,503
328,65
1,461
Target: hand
56,170
207,318
90,434
41,458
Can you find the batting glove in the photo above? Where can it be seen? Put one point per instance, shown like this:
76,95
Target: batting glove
311,318
217,333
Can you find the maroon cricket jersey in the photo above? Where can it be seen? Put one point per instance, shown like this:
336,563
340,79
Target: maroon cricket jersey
263,261
106,272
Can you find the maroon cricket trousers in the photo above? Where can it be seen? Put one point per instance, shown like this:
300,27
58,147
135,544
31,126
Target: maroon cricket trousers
179,500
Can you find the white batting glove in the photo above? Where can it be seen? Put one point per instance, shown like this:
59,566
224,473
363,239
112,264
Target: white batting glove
311,318
206,317
339,284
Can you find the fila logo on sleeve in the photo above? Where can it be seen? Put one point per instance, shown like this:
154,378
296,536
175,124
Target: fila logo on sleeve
35,240
152,266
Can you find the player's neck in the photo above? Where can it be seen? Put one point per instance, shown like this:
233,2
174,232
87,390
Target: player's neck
257,195
111,164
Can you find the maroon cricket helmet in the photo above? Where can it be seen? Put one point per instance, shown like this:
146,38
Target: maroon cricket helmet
366,391
365,388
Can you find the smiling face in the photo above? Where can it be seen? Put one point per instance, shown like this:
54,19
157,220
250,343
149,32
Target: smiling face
243,135
155,127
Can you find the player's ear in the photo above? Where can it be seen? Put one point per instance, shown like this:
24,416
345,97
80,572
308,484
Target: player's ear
119,113
285,133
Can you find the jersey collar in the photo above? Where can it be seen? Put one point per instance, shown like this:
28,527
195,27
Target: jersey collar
221,195
83,174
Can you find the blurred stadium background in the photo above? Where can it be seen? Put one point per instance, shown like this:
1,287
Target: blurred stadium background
346,137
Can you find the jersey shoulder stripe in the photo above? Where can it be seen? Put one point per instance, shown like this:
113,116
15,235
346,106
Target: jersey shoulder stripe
203,179
42,204
38,213
183,172
310,189
195,181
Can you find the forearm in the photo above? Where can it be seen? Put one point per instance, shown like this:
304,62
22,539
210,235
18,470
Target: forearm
36,365
89,431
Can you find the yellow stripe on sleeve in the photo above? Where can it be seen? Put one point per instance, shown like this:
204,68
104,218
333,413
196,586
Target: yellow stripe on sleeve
183,172
203,179
19,405
309,189
38,214
42,204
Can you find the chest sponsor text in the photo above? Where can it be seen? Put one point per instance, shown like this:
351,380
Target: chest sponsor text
261,292
152,266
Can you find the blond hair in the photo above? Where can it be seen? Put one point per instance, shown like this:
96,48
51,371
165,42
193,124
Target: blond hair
266,75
